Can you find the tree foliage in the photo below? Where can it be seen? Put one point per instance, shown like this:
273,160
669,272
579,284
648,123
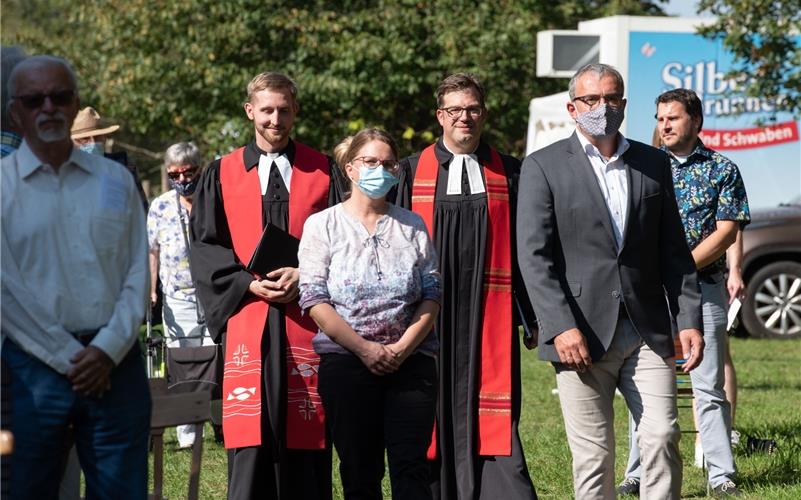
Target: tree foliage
177,70
765,38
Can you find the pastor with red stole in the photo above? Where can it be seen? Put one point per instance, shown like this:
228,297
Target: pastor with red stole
465,191
273,420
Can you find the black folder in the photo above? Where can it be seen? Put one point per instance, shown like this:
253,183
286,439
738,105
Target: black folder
276,249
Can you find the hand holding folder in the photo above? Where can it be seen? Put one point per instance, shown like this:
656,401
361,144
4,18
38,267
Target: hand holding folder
276,249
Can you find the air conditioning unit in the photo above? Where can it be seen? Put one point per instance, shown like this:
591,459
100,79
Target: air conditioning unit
560,53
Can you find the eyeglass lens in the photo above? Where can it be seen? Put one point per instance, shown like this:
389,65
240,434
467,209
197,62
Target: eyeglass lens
188,174
60,98
613,100
456,112
371,162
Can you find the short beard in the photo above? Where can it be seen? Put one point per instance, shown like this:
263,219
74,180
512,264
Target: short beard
685,143
52,135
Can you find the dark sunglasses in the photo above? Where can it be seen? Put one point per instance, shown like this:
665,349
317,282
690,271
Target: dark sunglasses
188,174
60,98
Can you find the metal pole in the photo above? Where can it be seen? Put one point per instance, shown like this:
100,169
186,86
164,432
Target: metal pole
149,342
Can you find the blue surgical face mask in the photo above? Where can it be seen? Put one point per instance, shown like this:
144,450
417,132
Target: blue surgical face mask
185,188
375,182
93,148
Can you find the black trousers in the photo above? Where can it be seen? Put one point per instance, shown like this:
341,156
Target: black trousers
368,413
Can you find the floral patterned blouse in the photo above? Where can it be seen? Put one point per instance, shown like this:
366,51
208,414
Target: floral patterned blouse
375,283
708,188
164,235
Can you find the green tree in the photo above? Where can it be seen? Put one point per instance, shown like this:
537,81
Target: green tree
175,70
764,36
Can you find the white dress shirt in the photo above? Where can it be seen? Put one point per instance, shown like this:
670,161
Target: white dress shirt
266,162
74,256
613,180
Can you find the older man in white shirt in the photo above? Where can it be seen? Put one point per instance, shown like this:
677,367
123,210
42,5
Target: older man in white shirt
74,268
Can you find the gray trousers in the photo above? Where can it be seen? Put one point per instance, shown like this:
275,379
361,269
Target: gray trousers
714,411
648,383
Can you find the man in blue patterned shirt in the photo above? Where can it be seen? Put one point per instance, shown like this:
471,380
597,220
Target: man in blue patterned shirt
713,206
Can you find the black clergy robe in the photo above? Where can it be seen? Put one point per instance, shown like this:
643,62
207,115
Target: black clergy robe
460,224
269,471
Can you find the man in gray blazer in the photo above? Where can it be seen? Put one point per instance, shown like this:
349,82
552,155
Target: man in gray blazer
601,246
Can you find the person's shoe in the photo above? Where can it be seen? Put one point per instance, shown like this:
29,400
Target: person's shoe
726,489
629,487
757,445
735,438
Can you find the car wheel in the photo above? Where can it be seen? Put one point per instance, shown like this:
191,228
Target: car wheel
772,307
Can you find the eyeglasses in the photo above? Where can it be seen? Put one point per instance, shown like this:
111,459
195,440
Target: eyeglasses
373,162
613,100
34,101
456,111
188,174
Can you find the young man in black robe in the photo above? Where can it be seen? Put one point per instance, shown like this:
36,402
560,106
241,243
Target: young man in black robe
272,415
466,192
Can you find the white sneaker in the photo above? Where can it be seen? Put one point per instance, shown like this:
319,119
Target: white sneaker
699,456
735,438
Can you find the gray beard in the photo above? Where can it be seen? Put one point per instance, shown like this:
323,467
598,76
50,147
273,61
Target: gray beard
52,135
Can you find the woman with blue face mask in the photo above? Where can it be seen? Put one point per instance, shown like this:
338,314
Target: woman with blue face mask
369,279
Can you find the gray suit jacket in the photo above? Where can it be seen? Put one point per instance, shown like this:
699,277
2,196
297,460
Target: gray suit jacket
573,272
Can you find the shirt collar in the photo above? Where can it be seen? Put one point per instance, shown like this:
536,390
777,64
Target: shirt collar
28,161
444,156
591,150
698,150
253,153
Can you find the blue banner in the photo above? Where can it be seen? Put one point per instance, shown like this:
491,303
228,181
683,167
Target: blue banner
765,146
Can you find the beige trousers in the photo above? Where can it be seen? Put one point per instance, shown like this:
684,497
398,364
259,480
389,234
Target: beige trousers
648,383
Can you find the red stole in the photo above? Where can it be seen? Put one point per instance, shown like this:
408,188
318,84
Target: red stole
242,398
495,371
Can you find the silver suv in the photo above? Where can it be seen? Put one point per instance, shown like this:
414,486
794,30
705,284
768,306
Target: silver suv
772,272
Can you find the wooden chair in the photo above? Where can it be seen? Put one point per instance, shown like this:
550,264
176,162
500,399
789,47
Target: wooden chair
685,396
684,385
170,410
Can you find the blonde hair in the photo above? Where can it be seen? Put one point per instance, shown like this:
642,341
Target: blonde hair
656,138
341,149
272,81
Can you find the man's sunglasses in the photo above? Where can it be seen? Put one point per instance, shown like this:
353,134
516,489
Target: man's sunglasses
34,101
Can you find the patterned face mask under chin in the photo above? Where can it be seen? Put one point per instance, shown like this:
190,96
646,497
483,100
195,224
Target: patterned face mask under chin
602,121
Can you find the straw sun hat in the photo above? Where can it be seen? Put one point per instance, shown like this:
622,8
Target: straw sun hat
88,123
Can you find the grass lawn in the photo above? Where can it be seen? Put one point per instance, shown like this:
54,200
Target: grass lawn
769,406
